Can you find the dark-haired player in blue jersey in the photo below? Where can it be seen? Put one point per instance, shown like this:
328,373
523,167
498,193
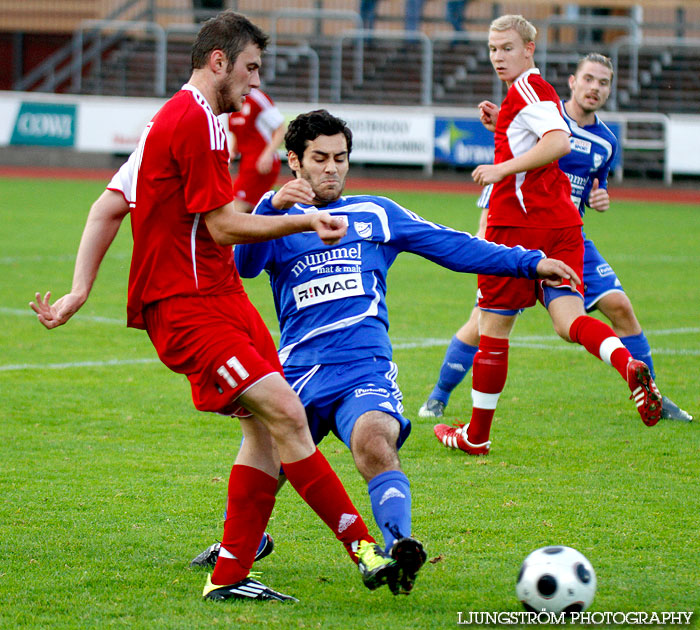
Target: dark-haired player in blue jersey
593,151
330,301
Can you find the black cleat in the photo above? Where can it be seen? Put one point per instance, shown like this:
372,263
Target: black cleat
209,556
247,588
410,557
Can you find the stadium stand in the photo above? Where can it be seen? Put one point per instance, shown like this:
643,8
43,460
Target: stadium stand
319,53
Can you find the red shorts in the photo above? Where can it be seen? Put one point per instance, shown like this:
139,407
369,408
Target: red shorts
219,342
250,185
511,294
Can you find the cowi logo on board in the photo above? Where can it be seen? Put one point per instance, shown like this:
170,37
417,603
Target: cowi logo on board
45,124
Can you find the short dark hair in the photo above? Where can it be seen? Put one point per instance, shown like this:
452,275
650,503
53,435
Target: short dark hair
595,58
229,32
307,127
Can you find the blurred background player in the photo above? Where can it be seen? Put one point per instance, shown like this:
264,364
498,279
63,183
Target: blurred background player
331,306
593,150
257,132
531,206
184,290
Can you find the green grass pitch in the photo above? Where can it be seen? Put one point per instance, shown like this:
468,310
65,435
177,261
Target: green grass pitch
111,482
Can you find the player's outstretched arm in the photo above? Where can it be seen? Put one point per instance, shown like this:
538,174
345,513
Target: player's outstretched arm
228,227
554,272
102,225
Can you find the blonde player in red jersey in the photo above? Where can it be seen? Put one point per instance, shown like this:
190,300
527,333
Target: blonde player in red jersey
531,206
184,290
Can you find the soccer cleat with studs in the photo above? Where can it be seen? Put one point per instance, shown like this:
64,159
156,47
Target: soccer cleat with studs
376,566
432,408
410,557
671,411
247,588
209,556
456,437
644,392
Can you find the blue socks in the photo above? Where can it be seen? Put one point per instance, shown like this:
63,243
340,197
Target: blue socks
640,350
390,494
457,362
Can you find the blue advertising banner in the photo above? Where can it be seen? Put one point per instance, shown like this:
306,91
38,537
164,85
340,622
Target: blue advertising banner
462,142
466,142
45,124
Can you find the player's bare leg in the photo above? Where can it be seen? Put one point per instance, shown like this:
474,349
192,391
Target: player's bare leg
279,409
373,445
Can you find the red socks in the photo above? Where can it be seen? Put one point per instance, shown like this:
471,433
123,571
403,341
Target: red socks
251,497
488,380
600,340
314,480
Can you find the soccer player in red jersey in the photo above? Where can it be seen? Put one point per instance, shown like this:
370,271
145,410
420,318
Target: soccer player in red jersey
531,206
257,132
184,290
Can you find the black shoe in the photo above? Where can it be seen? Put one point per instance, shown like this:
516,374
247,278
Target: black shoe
671,411
410,557
247,588
209,556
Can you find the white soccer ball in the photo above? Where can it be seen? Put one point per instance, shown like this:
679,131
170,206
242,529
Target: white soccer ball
556,579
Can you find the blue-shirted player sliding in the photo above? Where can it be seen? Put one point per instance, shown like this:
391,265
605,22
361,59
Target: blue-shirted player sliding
593,149
331,305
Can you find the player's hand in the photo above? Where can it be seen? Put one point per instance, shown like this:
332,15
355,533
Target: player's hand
330,229
555,273
487,174
598,198
264,163
294,191
488,114
58,313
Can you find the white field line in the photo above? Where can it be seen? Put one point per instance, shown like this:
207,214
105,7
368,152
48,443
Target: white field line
536,342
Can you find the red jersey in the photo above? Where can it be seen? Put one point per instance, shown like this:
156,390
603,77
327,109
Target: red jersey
254,124
182,173
540,198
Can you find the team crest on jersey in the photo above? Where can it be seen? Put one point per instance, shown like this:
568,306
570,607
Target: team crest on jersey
580,145
364,229
597,160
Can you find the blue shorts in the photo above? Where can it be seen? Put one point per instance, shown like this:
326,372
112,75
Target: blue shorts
599,279
336,395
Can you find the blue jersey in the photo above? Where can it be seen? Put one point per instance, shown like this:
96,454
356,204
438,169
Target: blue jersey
331,301
593,149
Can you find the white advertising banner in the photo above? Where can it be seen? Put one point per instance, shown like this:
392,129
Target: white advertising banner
114,125
683,143
381,135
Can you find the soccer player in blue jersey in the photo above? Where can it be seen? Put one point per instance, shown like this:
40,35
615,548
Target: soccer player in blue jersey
330,301
593,150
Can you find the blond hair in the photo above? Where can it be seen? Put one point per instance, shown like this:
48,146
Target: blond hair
518,23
